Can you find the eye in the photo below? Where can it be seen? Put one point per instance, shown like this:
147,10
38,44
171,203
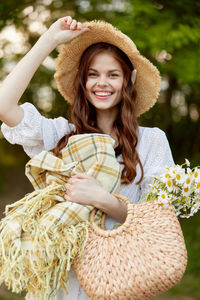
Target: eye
114,75
92,74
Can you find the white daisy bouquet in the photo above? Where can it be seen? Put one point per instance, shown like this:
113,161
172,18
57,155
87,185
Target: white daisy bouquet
179,186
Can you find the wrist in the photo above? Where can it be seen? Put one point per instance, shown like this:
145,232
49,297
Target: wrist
111,206
46,43
102,200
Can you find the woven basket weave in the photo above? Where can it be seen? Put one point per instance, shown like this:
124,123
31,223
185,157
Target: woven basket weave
139,260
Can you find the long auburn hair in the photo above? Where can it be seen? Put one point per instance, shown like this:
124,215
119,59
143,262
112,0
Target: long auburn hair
125,126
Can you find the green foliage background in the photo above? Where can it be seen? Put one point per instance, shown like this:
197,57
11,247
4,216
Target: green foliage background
166,32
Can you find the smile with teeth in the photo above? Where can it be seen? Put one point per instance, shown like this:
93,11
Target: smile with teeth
103,94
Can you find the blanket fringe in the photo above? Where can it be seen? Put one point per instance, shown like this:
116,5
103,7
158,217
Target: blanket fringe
41,269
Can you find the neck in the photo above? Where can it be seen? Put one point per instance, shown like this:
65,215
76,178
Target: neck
105,120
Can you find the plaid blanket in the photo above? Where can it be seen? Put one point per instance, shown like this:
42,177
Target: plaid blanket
42,233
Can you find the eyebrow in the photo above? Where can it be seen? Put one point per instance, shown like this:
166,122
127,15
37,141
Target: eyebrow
114,70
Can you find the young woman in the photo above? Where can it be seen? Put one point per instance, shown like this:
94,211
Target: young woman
109,84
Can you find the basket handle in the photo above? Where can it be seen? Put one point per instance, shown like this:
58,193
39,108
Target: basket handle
119,196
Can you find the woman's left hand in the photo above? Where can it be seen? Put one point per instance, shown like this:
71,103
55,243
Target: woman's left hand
84,189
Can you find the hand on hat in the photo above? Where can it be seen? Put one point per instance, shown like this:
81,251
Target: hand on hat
64,30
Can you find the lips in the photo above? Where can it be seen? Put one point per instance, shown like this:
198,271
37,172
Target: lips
102,94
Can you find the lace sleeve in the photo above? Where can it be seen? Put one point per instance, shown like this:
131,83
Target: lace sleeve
35,132
157,157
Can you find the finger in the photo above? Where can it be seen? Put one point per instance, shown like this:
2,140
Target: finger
73,25
68,20
64,25
67,197
68,187
65,18
70,181
79,25
81,176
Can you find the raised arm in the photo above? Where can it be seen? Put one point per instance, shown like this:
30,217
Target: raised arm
14,85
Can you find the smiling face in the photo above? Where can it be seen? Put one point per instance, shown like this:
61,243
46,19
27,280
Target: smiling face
104,82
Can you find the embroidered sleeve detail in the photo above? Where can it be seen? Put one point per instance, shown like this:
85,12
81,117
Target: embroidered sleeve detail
35,132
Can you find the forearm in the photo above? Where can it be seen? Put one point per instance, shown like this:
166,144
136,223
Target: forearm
112,206
61,31
17,81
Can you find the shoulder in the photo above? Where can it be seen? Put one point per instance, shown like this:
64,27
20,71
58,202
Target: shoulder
153,132
151,136
153,146
151,140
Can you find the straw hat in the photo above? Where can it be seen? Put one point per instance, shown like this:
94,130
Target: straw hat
147,83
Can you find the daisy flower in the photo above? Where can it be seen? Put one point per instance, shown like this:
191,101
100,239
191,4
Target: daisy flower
172,171
169,185
179,177
186,191
188,180
163,197
176,189
198,186
166,176
177,173
179,186
196,174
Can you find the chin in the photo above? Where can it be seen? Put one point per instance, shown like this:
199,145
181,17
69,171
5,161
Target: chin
102,106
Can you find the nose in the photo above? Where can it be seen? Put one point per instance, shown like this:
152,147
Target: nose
102,81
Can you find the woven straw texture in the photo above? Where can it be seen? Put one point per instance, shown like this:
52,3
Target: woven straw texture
137,261
147,81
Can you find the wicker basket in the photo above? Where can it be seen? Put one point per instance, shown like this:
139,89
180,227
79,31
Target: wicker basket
139,260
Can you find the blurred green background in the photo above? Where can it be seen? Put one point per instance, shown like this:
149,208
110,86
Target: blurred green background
168,33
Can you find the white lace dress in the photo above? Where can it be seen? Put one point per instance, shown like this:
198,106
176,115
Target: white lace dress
36,133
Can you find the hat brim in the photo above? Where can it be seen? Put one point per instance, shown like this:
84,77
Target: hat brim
147,82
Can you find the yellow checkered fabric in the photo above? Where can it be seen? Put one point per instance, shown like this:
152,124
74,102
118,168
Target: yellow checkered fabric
42,233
